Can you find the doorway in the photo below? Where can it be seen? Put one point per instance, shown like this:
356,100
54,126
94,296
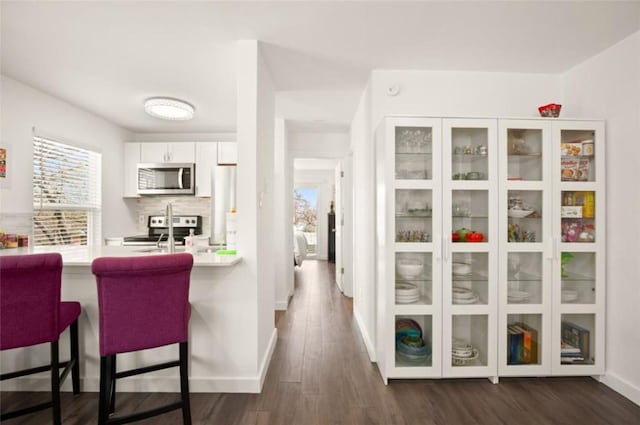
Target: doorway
305,217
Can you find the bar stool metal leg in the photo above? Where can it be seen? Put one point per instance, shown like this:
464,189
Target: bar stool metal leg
75,357
184,383
55,383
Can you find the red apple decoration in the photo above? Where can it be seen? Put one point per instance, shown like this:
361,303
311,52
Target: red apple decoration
475,237
455,237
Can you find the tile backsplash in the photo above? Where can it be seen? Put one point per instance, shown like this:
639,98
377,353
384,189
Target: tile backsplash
182,205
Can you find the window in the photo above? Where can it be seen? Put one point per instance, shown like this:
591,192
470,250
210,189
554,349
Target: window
305,215
67,196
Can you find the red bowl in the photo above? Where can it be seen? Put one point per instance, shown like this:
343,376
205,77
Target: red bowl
550,110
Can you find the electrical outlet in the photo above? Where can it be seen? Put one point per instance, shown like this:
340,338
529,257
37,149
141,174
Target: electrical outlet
141,219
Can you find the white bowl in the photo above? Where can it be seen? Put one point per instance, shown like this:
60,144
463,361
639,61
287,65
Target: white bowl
461,268
518,213
409,269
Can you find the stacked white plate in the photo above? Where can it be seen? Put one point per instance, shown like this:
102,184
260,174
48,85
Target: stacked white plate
518,296
407,293
462,352
463,295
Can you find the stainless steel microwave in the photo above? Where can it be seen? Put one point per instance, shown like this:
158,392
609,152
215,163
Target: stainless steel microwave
166,179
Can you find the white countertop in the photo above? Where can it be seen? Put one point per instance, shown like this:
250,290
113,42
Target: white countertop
84,255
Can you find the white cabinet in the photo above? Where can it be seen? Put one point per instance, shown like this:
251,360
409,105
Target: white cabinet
227,153
437,298
552,269
131,158
490,247
578,279
206,159
167,152
470,263
408,237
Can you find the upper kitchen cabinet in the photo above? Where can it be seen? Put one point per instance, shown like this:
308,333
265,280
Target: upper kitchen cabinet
227,153
206,159
131,159
167,152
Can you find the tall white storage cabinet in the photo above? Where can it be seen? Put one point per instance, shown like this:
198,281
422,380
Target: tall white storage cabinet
490,247
552,261
437,298
409,249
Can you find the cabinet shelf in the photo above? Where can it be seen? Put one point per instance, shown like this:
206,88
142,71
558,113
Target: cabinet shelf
414,154
525,155
469,156
414,215
575,277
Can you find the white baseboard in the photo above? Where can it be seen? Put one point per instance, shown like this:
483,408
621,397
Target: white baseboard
371,349
197,384
283,305
266,359
622,386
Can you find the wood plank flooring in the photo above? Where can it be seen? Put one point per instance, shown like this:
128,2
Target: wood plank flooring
320,374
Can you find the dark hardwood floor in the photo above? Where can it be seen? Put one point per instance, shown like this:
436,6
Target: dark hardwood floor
320,374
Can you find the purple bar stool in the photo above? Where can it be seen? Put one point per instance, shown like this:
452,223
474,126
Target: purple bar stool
31,313
143,302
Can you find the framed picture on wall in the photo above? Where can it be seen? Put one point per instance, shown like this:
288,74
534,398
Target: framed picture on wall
3,163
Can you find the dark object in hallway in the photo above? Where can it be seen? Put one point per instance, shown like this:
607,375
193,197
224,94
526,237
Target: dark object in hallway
331,247
320,374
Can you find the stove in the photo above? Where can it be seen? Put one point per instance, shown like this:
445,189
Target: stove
159,230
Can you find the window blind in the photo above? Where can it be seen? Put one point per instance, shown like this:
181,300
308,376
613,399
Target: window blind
67,196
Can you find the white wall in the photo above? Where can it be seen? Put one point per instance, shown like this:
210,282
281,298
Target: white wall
319,145
283,231
255,200
432,93
345,214
23,108
608,86
364,290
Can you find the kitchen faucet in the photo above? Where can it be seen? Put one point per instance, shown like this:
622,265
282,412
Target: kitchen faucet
169,218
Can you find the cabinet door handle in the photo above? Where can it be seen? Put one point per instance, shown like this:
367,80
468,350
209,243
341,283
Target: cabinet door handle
556,249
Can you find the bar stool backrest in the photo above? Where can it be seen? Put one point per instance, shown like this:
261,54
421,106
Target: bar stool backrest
143,302
29,299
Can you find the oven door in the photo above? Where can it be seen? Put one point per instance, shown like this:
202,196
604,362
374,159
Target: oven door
166,179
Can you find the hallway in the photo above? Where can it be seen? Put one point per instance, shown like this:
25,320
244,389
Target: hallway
320,374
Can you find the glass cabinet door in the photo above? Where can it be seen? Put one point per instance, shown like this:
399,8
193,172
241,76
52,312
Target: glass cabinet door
525,246
578,274
469,228
411,162
413,152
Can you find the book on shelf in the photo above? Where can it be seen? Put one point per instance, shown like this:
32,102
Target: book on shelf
566,349
575,340
515,345
530,340
523,344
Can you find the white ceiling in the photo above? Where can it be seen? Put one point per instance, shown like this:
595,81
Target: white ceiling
107,57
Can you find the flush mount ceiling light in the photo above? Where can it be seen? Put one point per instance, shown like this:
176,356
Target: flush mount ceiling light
168,108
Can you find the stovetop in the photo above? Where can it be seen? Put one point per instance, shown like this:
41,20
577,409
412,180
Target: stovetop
149,240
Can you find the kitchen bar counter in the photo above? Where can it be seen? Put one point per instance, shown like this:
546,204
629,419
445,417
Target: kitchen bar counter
222,330
84,255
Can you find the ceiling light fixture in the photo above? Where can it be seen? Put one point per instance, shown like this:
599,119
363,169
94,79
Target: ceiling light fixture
168,108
